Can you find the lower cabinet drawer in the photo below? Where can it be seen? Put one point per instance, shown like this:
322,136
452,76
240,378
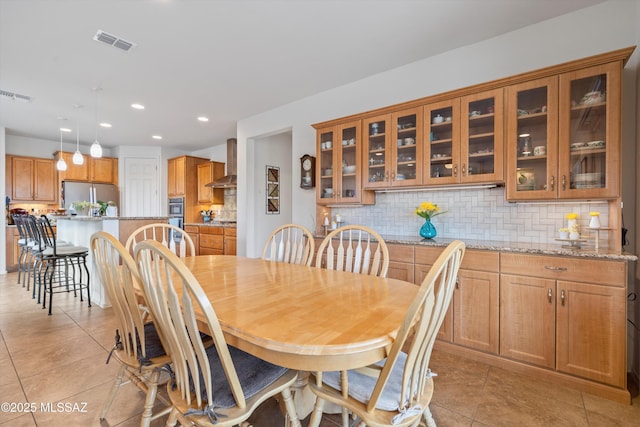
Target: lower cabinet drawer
209,251
613,273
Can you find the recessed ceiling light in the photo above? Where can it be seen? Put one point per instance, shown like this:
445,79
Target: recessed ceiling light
156,137
203,119
137,106
105,125
65,130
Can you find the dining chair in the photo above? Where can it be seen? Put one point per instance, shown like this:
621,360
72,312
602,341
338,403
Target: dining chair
220,384
290,243
64,264
356,249
397,390
138,346
175,238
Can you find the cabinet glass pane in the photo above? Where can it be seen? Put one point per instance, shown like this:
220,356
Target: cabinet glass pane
327,144
349,141
587,142
405,146
481,141
441,143
376,151
532,140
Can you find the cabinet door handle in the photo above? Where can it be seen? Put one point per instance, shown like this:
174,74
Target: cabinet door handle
464,169
564,182
554,268
386,176
393,175
562,296
550,295
457,283
553,182
455,170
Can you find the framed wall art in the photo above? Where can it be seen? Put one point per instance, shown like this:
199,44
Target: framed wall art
273,190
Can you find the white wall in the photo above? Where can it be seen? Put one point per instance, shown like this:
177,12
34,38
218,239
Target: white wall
44,148
612,25
274,150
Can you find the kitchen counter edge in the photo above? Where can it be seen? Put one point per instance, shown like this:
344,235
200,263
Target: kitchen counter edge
515,247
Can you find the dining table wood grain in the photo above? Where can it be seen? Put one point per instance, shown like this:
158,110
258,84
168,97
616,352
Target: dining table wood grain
300,317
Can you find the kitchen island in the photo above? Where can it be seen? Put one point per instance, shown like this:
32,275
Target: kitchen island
78,230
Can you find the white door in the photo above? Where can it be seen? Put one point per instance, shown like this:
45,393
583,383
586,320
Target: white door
141,196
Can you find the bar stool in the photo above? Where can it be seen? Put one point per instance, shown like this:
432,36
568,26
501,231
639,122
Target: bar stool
65,265
18,220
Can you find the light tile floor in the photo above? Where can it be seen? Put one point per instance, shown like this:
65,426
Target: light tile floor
61,358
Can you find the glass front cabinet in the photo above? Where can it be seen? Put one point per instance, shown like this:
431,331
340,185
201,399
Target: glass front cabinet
532,140
339,168
393,149
560,141
464,139
589,132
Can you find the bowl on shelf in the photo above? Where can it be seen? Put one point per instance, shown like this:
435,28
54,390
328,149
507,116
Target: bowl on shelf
349,169
328,171
588,178
592,97
575,145
328,191
594,144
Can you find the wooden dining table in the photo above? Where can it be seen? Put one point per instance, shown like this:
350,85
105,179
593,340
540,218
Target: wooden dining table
300,317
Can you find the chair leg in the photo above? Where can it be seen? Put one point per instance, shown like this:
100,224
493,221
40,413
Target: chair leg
112,393
316,415
152,391
173,418
53,270
291,408
428,417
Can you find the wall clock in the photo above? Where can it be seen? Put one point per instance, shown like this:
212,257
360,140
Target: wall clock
307,171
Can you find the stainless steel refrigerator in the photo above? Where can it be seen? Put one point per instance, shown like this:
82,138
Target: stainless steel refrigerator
85,191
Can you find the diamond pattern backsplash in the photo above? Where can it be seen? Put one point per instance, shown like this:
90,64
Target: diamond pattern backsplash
481,214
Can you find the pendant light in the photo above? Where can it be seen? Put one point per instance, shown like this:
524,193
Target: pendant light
96,149
78,159
61,165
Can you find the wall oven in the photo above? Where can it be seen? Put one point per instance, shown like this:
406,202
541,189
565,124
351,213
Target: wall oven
176,207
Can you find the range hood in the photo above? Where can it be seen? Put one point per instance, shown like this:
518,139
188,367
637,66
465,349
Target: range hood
229,180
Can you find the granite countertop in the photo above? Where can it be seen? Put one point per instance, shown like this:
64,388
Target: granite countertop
527,248
212,224
555,248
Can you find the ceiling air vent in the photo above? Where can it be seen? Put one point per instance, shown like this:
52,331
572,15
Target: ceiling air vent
114,41
14,96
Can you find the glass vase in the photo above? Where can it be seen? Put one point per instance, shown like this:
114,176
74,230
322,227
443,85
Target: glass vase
428,230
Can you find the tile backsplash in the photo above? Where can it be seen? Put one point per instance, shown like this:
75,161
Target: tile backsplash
481,214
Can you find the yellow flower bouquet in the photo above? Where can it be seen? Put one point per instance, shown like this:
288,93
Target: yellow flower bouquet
428,210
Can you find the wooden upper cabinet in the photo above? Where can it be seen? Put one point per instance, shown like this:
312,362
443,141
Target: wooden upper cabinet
31,179
104,169
339,166
74,172
532,140
101,169
589,140
209,172
563,136
393,149
176,177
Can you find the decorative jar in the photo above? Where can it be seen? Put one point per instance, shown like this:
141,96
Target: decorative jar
595,220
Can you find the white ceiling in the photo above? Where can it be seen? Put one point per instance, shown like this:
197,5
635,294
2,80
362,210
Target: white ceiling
227,60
